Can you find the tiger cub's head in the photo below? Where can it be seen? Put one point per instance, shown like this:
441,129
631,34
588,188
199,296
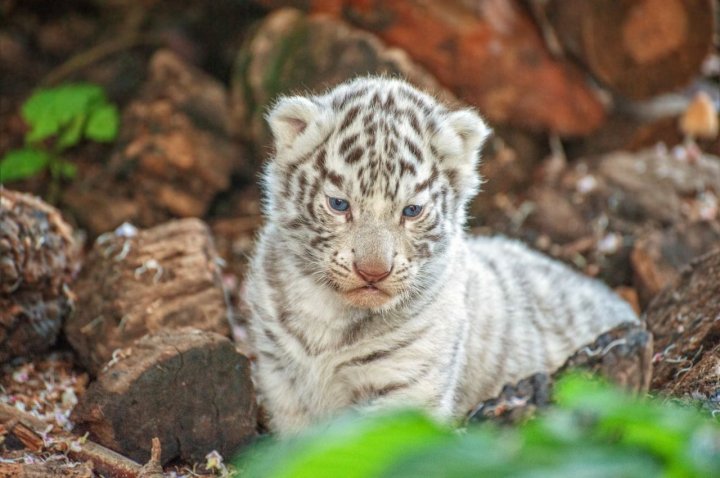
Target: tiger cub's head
368,186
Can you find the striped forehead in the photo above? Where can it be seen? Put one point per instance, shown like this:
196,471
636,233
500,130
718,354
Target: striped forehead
379,141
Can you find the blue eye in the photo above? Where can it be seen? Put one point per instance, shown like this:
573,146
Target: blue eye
412,211
338,204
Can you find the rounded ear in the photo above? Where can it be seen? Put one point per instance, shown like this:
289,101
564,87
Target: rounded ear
458,140
290,117
461,135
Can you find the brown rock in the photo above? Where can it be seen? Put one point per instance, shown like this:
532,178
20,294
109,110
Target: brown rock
189,388
173,155
489,53
292,52
139,282
38,258
685,320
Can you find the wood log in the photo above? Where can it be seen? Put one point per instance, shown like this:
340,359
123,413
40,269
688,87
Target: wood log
685,320
638,48
622,355
173,155
135,282
291,51
38,258
489,53
658,256
189,388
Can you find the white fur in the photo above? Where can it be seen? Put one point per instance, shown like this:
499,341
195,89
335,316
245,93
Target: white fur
460,316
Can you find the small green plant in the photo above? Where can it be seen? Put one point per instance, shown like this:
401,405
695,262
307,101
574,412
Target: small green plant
594,431
59,118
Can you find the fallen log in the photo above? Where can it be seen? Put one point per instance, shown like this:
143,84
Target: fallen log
685,320
38,258
623,356
173,155
293,52
135,282
489,53
637,48
189,388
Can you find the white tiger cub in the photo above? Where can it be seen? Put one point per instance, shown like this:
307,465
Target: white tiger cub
364,288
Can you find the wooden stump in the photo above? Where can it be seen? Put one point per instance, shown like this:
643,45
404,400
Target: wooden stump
189,388
139,282
685,319
639,48
38,258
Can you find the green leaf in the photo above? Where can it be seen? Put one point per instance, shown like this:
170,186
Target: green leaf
351,447
22,163
72,134
103,123
42,128
50,109
596,430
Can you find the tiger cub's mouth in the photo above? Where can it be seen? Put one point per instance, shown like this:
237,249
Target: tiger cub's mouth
367,296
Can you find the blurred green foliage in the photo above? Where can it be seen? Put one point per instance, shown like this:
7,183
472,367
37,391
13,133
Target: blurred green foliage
594,431
58,119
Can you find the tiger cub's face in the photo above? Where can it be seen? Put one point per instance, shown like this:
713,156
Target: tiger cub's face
369,184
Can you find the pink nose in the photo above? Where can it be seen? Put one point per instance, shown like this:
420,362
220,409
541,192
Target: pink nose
372,272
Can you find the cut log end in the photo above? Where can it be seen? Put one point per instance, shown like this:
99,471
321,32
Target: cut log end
639,49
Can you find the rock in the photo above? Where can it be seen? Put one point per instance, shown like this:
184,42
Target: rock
189,388
292,52
38,258
685,320
622,355
138,282
173,155
490,54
